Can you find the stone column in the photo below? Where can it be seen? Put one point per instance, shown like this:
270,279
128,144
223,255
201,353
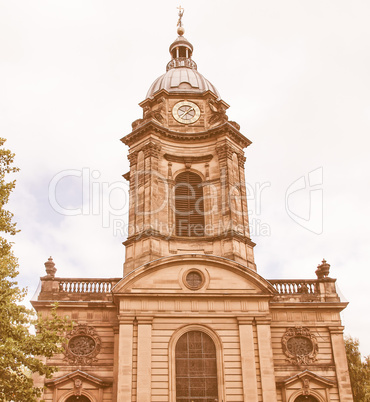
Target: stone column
248,361
266,359
144,359
125,340
341,366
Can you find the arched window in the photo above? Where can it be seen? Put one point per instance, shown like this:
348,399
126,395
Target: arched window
189,205
305,398
78,398
196,368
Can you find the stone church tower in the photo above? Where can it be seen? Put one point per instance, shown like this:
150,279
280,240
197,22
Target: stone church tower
191,319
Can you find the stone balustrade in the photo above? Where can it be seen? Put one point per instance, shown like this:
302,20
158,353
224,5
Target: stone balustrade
295,286
86,285
297,290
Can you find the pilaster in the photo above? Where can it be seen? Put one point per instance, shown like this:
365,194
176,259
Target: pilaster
248,361
241,162
124,380
341,366
144,359
132,177
266,360
224,154
115,362
152,191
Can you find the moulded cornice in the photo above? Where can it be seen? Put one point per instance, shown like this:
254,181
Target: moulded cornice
206,239
151,125
190,95
326,382
73,303
152,100
319,304
78,374
191,296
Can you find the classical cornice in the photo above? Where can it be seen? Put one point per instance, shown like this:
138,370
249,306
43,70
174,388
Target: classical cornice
326,382
151,125
201,239
78,374
318,304
181,95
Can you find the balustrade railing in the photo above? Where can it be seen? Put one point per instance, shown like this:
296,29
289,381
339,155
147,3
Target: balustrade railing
89,285
92,285
295,286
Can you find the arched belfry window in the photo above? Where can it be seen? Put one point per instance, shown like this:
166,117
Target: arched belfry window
196,368
189,205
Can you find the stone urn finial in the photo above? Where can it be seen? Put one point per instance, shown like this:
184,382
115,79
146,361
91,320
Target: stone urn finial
50,268
322,270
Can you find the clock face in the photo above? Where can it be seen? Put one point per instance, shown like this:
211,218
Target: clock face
186,112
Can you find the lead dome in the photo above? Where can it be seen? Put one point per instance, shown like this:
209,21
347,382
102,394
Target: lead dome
182,75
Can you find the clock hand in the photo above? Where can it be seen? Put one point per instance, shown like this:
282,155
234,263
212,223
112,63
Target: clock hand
186,112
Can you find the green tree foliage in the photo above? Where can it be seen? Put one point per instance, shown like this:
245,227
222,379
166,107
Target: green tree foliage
19,347
359,371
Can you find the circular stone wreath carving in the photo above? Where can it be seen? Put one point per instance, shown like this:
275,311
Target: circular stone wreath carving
299,345
82,346
194,279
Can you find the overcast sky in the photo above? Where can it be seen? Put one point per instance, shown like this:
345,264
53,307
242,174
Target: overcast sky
296,76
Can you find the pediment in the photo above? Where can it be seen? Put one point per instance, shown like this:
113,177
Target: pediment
168,275
306,377
77,375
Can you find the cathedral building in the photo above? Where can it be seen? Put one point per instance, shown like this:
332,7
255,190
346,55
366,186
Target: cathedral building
191,319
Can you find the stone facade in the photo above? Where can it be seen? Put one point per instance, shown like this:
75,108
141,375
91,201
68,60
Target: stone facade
262,340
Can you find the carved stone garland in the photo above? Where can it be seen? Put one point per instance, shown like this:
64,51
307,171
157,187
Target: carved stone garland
82,346
300,345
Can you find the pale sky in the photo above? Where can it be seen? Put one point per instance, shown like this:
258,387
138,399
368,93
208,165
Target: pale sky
295,74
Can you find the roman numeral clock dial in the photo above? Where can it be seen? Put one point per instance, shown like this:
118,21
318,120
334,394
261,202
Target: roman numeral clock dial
186,112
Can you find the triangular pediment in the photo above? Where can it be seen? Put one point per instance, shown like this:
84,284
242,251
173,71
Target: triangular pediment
169,275
78,374
310,376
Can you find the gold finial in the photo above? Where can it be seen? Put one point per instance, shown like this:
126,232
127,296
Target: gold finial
180,29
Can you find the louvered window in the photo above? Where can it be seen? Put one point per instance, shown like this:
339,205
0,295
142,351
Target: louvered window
189,206
196,368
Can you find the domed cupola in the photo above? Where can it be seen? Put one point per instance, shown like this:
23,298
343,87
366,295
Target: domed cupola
182,75
181,49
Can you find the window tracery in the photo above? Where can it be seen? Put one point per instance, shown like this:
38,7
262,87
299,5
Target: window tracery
196,368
